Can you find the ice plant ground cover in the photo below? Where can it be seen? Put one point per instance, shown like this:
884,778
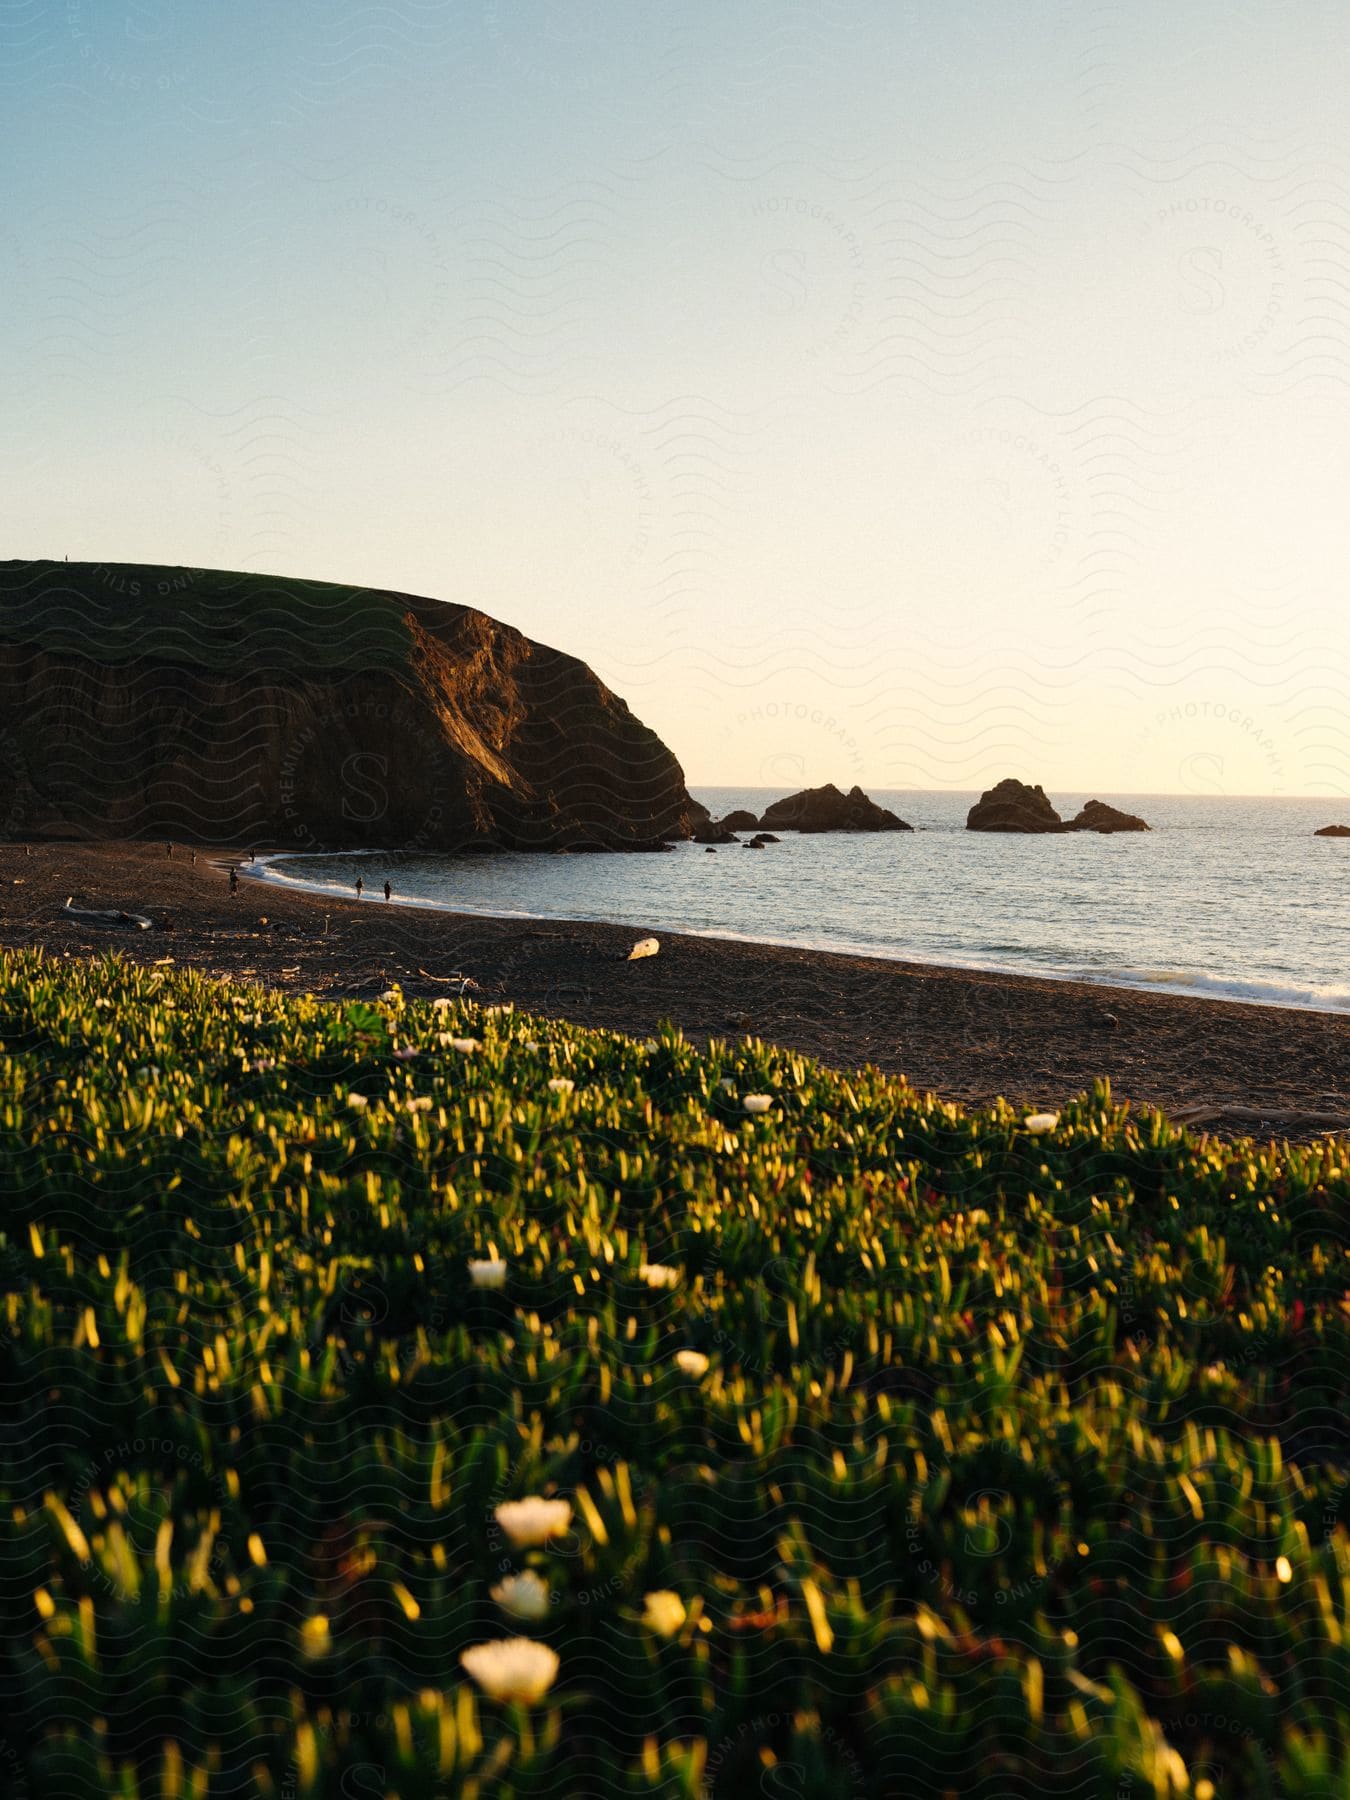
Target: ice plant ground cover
1018,1464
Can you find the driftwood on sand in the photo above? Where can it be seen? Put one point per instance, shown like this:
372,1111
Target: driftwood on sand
94,915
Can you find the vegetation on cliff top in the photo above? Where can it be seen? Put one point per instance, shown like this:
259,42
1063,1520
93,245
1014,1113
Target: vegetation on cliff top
902,1450
202,618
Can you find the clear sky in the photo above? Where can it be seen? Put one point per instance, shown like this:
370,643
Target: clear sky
910,394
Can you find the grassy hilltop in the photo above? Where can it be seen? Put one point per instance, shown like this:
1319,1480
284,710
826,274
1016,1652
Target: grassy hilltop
1017,1465
223,619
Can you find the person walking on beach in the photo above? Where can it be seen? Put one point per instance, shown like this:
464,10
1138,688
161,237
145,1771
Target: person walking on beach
234,881
387,890
168,851
360,887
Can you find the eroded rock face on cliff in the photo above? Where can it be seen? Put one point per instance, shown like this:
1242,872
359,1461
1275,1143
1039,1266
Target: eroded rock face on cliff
247,709
1098,816
827,809
1013,806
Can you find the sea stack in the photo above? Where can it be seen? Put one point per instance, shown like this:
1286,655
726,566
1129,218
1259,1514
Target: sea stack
1013,806
1098,816
827,809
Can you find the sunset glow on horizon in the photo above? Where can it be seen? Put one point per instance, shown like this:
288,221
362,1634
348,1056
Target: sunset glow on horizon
869,395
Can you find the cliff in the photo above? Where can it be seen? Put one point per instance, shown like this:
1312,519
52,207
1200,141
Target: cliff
245,709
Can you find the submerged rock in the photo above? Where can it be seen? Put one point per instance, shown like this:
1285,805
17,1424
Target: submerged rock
1013,806
1098,816
827,809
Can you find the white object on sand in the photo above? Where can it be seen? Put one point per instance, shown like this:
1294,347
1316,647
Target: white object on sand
644,947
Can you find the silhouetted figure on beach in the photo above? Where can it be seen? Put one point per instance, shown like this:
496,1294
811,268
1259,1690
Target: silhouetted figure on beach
194,859
253,856
234,881
387,890
28,849
360,887
168,851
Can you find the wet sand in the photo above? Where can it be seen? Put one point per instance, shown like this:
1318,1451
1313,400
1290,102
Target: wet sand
964,1034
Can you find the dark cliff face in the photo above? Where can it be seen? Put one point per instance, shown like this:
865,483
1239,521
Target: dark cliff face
244,709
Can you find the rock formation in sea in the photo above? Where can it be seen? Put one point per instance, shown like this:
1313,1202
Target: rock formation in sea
740,820
1098,816
247,709
713,831
827,809
1333,831
1013,806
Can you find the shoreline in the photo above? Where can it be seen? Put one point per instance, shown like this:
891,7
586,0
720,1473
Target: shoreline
966,1034
1182,988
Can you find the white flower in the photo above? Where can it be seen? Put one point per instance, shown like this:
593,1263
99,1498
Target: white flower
659,1275
467,1045
441,1004
391,995
405,1053
1039,1123
357,1102
421,1103
562,1084
727,1085
692,1362
531,1043
664,1612
533,1521
512,1669
757,1103
523,1596
488,1272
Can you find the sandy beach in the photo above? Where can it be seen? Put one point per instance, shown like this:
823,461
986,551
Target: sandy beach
966,1035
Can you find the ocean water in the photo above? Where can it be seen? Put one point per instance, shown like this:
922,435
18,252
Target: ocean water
1229,898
